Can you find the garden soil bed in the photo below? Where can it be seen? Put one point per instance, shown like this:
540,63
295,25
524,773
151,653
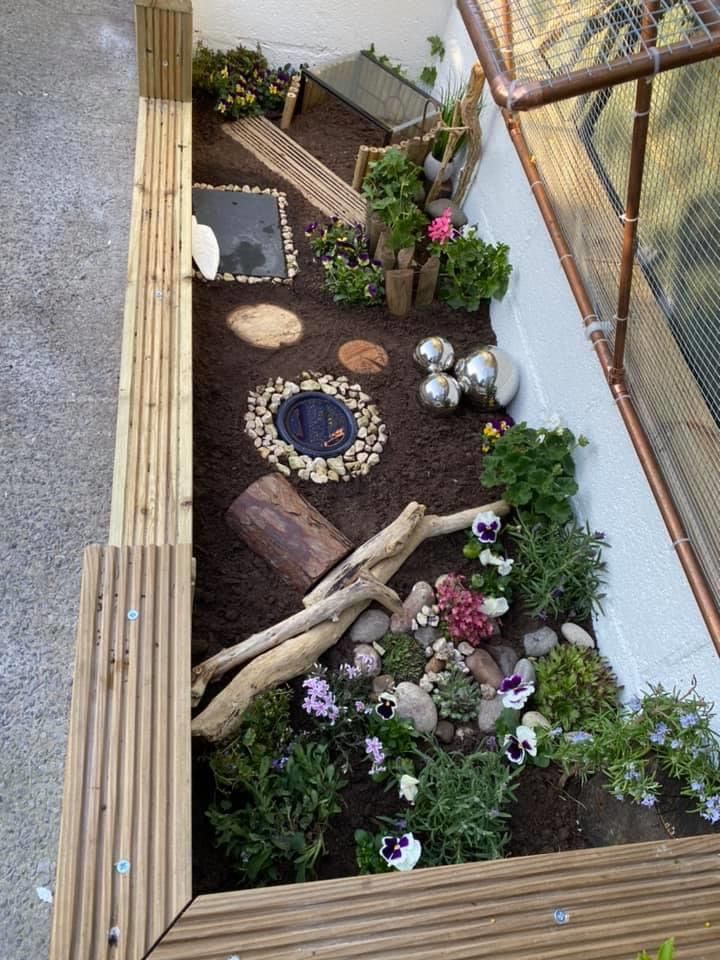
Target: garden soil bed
434,461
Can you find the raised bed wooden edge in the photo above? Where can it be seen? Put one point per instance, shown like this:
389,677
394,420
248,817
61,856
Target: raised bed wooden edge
123,883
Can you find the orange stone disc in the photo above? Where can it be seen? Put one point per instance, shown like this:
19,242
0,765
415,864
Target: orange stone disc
362,356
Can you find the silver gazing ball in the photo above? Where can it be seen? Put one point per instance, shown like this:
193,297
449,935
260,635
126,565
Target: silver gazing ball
434,354
476,373
439,393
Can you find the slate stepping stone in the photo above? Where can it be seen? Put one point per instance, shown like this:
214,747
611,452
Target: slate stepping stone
248,231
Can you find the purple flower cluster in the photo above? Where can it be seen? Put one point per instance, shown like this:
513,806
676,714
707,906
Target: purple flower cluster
374,750
320,701
659,733
712,809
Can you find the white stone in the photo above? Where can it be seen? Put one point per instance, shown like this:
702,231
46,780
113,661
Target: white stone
535,719
577,636
318,477
416,704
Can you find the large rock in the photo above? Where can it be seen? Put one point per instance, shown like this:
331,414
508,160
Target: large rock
445,731
370,626
526,669
484,669
488,714
367,660
438,207
532,718
540,642
577,636
421,595
505,657
413,703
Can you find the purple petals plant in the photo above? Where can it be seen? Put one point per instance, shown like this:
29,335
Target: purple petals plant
350,275
241,81
515,691
519,745
402,853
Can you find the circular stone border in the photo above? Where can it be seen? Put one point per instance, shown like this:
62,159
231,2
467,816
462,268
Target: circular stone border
356,461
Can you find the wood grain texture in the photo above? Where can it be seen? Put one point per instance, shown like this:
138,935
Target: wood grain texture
618,899
127,773
280,153
163,30
152,480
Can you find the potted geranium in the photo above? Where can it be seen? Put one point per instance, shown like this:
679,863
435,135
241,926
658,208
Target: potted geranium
470,269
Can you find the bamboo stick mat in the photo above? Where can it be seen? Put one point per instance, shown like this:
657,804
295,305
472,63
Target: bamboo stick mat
125,839
281,154
152,480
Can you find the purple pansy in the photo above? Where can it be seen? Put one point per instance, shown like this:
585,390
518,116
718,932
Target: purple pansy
401,852
519,744
515,691
486,526
386,706
371,291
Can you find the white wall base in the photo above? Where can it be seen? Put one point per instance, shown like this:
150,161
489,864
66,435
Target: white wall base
651,631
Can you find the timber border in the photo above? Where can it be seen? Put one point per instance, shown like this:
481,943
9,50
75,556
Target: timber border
123,886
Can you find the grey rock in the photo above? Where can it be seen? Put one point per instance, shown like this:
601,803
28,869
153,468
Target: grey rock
414,704
540,642
484,669
436,208
367,660
422,594
505,657
488,714
534,718
382,684
577,636
370,626
465,648
526,669
427,635
445,731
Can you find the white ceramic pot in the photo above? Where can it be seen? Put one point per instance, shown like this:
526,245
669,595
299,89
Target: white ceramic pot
431,166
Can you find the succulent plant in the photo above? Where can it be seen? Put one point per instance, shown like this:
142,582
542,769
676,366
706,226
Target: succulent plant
573,684
404,658
457,696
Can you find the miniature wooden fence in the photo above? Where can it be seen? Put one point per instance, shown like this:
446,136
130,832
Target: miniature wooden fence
123,884
280,153
125,841
152,481
416,148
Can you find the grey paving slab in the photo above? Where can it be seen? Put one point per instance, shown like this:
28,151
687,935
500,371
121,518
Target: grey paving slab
247,228
68,100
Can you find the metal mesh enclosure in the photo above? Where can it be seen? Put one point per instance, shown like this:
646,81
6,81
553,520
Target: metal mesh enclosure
672,354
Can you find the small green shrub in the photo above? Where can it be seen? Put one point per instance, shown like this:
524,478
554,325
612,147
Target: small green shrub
471,270
390,188
404,659
368,859
457,696
558,569
536,471
459,813
573,685
277,818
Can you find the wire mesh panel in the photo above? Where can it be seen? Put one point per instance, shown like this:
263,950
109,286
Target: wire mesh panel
672,354
536,52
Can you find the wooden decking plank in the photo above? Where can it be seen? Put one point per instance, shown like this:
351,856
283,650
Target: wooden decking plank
280,153
118,800
618,900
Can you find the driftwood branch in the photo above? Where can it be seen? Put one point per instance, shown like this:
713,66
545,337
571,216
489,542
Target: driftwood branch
224,714
365,587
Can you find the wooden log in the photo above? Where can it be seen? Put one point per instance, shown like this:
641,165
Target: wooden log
280,525
405,257
223,715
374,228
288,110
398,291
366,587
360,168
427,282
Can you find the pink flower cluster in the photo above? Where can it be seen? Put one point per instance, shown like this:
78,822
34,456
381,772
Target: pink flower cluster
441,229
460,608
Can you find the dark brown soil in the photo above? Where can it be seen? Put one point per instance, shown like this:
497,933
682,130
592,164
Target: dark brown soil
434,461
545,815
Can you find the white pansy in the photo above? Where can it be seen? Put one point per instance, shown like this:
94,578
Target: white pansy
494,606
505,566
487,558
408,787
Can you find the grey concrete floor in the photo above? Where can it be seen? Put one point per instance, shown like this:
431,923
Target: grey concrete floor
68,102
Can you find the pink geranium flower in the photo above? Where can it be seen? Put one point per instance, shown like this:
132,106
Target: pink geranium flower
441,229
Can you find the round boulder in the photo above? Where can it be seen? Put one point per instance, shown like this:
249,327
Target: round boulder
438,207
577,636
367,660
370,626
414,704
540,642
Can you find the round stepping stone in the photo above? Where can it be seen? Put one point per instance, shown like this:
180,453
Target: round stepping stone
362,356
265,325
438,207
507,380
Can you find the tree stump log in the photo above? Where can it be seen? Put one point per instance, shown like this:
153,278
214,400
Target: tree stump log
286,531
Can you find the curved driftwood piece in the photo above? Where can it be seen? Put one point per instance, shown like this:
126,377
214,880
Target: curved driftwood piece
223,714
387,542
365,587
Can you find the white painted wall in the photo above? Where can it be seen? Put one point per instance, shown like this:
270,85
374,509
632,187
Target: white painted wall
652,630
314,32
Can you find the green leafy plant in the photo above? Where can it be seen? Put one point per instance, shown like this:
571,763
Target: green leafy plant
536,471
558,569
666,951
351,276
404,658
457,696
428,74
367,856
390,188
471,270
385,61
573,685
240,80
265,732
278,815
459,813
664,729
449,98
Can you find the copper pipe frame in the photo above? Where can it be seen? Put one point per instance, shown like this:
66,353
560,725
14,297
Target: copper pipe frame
678,535
643,99
511,94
